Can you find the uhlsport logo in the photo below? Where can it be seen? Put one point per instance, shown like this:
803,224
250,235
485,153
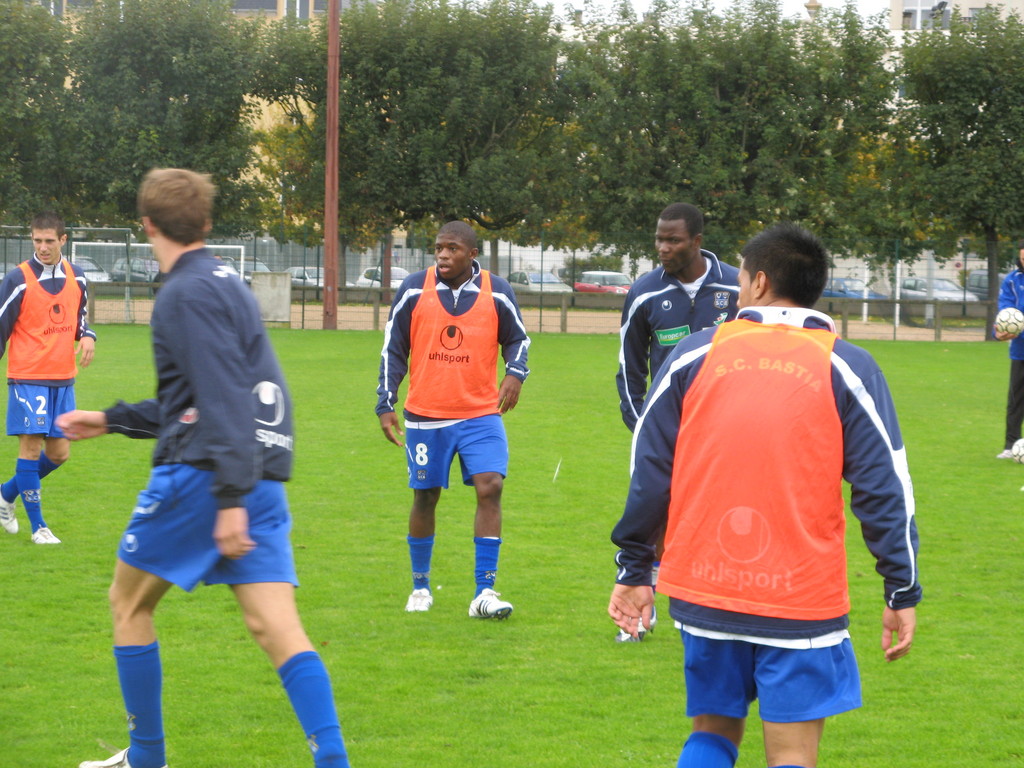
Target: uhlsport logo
58,319
451,337
270,404
744,534
666,305
270,411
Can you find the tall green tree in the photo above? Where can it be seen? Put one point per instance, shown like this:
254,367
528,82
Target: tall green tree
964,110
452,110
33,162
446,110
751,116
164,83
290,77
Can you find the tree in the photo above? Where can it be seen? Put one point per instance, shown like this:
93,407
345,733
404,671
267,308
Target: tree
164,83
752,117
964,109
290,77
446,111
33,162
452,110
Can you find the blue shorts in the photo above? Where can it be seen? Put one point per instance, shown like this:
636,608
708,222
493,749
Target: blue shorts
33,409
170,533
724,676
430,447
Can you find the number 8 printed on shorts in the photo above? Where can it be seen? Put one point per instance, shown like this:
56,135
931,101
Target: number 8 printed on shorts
421,454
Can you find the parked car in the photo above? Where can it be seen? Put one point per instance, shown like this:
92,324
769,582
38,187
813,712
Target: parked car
537,282
850,288
941,288
371,277
254,266
140,271
977,283
230,265
307,277
602,282
94,273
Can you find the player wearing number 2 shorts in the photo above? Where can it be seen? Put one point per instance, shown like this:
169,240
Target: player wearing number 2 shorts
43,330
446,326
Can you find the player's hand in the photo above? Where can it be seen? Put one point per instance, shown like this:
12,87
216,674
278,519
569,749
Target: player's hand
898,626
80,425
629,606
231,532
1003,336
389,423
86,350
508,393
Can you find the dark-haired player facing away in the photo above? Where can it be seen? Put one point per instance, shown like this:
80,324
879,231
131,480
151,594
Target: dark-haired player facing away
740,456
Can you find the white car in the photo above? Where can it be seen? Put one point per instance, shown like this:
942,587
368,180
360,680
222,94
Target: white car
307,277
94,273
537,282
371,277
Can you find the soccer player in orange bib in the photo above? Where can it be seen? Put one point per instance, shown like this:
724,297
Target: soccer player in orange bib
446,326
739,454
43,324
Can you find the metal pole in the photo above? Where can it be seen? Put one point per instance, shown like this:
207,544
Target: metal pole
331,172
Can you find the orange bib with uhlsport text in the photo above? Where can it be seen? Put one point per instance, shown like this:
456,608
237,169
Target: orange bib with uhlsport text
42,345
453,359
756,522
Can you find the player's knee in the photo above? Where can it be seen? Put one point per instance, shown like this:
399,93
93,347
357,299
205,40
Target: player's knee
489,486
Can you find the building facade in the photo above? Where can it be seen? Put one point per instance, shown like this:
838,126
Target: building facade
928,14
272,9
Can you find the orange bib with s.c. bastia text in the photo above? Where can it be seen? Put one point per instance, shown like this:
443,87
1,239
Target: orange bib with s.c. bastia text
756,522
453,359
42,345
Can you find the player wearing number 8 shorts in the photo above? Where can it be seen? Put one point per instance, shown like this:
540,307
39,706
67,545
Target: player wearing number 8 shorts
446,326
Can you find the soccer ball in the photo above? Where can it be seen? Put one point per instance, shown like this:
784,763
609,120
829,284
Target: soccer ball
1010,320
1017,451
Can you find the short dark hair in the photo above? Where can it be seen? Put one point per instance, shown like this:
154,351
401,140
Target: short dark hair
461,231
48,220
178,202
795,262
684,212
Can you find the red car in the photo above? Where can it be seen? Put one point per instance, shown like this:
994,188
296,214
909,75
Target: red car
602,282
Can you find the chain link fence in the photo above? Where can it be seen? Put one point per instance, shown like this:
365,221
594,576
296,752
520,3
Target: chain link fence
931,293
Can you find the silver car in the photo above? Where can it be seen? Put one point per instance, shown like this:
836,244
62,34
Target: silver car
939,288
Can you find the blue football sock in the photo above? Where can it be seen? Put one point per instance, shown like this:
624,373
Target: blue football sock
305,679
421,550
141,676
487,549
10,490
26,474
707,750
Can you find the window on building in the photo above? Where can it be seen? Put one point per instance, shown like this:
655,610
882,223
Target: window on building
255,5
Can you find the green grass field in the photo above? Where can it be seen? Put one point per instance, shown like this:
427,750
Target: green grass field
547,688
